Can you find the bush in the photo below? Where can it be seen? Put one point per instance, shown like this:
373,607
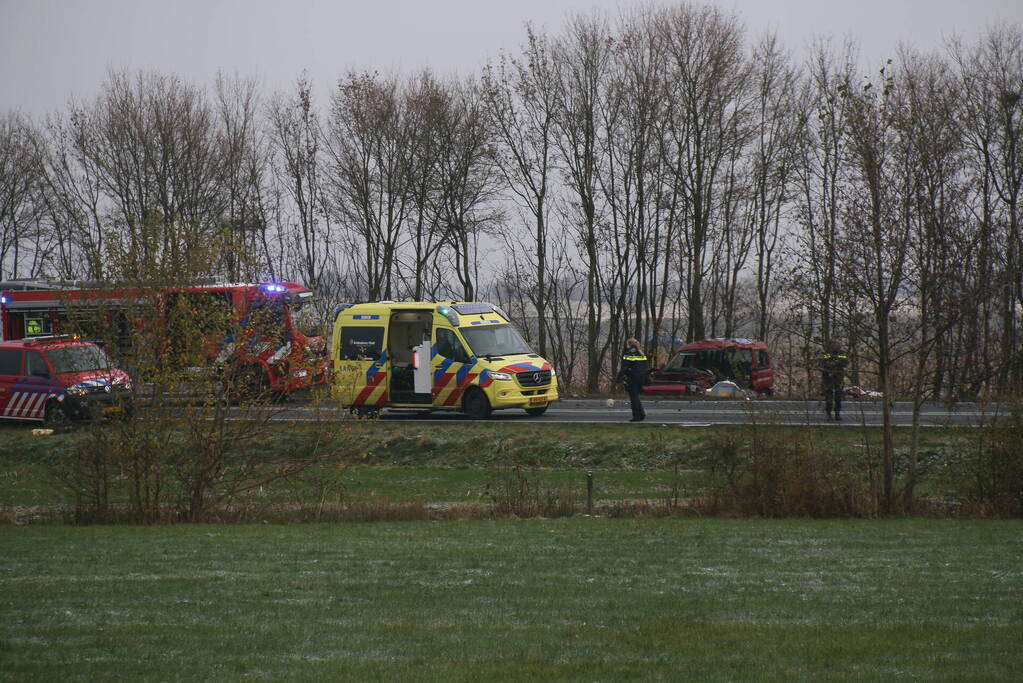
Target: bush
754,476
521,496
984,476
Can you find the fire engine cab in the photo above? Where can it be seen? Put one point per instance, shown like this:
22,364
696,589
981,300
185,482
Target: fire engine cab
59,378
459,356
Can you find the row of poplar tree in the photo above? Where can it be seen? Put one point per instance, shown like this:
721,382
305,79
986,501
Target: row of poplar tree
661,174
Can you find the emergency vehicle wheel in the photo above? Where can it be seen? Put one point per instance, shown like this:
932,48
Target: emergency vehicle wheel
364,411
476,405
536,411
55,416
248,385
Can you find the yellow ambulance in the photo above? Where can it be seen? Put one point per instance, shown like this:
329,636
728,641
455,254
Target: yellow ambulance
460,356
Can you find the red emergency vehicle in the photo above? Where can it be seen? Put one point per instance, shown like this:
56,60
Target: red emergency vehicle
270,339
59,378
700,364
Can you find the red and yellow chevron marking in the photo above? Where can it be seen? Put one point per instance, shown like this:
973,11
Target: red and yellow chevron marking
374,393
448,390
441,390
456,392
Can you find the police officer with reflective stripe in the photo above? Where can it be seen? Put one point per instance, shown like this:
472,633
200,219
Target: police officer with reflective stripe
832,366
633,373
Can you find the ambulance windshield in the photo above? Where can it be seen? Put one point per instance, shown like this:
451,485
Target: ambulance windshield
494,340
78,359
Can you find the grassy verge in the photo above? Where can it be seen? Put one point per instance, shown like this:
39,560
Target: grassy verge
455,461
581,599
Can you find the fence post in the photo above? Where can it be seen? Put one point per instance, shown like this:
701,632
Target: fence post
589,492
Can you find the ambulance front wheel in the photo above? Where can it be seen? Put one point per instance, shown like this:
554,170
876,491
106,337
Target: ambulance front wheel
364,411
476,405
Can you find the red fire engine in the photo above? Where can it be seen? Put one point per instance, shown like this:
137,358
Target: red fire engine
267,341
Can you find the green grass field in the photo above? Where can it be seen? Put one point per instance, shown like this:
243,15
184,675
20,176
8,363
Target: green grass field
542,599
569,599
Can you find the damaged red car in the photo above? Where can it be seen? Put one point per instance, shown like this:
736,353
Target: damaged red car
698,365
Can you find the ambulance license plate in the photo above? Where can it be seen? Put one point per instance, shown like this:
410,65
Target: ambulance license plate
537,399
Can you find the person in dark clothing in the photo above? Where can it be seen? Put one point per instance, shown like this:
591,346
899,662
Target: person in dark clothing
633,373
832,366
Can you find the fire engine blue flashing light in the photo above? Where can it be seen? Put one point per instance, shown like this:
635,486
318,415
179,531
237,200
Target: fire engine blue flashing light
273,287
3,299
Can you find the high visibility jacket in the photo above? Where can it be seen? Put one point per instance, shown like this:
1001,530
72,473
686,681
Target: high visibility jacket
832,367
634,367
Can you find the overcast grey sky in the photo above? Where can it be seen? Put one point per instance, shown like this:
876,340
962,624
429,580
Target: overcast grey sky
51,49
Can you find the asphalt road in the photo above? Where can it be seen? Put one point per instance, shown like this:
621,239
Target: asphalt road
689,412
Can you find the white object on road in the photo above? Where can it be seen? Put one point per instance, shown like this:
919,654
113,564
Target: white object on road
610,403
726,389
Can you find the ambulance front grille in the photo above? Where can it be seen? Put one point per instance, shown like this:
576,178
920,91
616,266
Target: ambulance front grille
534,378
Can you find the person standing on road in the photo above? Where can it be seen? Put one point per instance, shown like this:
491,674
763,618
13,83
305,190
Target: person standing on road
832,366
633,373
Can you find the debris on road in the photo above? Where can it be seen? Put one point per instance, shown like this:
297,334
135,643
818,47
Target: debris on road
726,389
857,392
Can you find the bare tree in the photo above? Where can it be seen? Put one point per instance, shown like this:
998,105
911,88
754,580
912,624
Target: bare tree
296,137
74,198
426,105
468,182
367,140
136,175
708,69
521,99
243,149
777,129
820,174
582,57
932,158
20,187
991,80
631,178
734,233
877,242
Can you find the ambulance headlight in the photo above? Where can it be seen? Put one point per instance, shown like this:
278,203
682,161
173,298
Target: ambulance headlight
500,375
77,390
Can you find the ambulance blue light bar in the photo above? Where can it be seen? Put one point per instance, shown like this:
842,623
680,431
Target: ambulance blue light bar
274,287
